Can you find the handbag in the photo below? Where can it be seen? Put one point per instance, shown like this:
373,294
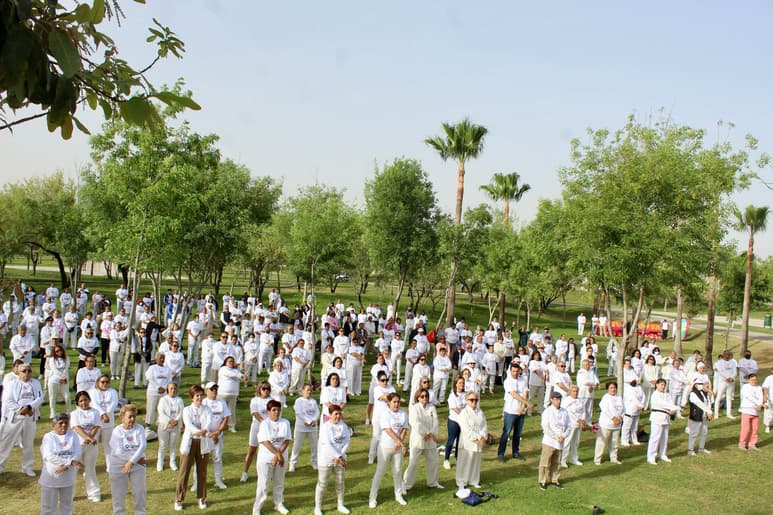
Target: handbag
472,500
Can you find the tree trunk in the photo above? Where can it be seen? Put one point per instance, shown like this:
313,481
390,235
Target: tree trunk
58,257
502,306
710,316
622,350
679,312
747,296
451,297
528,316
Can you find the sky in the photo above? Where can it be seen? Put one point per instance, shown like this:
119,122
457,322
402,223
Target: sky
323,92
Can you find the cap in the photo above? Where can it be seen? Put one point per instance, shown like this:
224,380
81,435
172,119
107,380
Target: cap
420,329
211,386
555,395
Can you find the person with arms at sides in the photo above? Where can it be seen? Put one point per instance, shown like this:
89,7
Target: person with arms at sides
61,453
516,404
536,381
87,423
663,408
334,439
301,357
751,404
556,426
397,347
126,462
633,402
105,400
375,372
698,419
117,347
576,410
274,436
306,416
218,421
391,449
58,378
251,349
170,418
456,403
355,357
440,375
332,393
472,439
158,377
610,421
650,375
21,402
423,421
587,382
229,378
725,372
259,412
194,447
380,406
280,381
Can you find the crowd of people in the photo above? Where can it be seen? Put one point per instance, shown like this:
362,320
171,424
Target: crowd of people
272,351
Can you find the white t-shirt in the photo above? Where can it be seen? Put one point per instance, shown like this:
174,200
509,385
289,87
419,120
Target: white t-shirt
394,420
333,442
513,406
275,432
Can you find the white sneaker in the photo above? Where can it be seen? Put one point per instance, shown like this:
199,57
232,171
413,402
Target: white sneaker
666,459
291,468
193,487
578,463
178,506
342,509
281,509
447,465
652,462
245,477
731,417
173,465
372,503
564,466
219,483
767,429
202,504
29,472
705,451
400,500
691,453
317,510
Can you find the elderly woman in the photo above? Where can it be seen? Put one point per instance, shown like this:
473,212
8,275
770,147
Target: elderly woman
473,437
423,441
57,378
394,427
610,421
575,408
698,419
229,379
456,403
61,453
87,423
279,381
633,402
126,461
663,407
334,438
170,417
194,447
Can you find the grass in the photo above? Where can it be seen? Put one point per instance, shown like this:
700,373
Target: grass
718,483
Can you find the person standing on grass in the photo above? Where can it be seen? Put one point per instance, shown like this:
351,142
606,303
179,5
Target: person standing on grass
194,447
634,400
725,372
391,449
21,402
170,418
576,410
126,462
556,426
423,420
767,395
516,403
472,439
274,436
751,404
61,453
698,419
334,439
456,403
259,412
663,408
87,423
610,420
306,416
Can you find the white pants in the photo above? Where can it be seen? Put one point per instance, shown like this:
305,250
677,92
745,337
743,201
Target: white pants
116,362
103,436
374,439
606,437
139,372
57,392
51,498
385,459
630,428
548,391
230,400
119,486
397,361
151,412
296,378
571,445
697,429
430,464
266,473
658,442
468,468
89,457
193,351
322,478
251,371
768,417
298,437
354,374
536,396
408,376
724,389
439,386
264,358
70,339
167,439
10,431
206,372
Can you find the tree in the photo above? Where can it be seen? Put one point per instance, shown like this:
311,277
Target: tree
752,220
461,142
54,56
505,187
401,220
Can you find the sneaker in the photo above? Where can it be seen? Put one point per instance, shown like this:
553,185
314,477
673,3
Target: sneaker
475,485
652,462
343,509
564,466
281,509
543,486
372,503
245,477
437,485
232,429
367,421
173,466
317,510
517,456
291,468
767,429
159,467
202,504
501,459
447,465
616,462
597,462
578,463
219,483
741,448
193,487
666,459
370,460
29,472
178,506
626,445
400,500
752,448
558,485
731,417
691,453
705,451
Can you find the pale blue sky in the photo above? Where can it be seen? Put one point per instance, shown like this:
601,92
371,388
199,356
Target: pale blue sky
319,91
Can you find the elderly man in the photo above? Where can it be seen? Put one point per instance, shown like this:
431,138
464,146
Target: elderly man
555,428
725,372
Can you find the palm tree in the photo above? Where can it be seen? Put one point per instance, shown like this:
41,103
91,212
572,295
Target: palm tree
461,142
752,220
505,187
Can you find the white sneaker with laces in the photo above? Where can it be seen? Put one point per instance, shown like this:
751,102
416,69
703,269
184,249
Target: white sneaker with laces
666,459
202,504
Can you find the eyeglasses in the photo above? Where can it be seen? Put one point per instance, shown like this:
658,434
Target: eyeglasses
104,381
25,370
423,396
382,380
473,400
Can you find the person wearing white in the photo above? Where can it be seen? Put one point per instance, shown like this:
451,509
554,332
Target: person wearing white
634,400
158,376
21,402
610,420
767,391
662,408
175,360
301,357
397,347
411,359
677,382
514,411
251,350
581,324
259,412
391,449
61,453
306,416
473,437
587,382
71,320
556,426
195,444
170,418
229,378
752,399
87,423
274,436
442,369
746,367
650,374
22,345
341,344
575,408
219,415
58,379
194,339
207,350
725,372
380,405
280,381
332,394
490,365
266,353
87,344
116,349
423,420
126,462
334,439
355,357
537,375
420,370
105,400
698,419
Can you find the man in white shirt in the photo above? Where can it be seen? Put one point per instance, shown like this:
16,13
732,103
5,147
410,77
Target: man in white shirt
746,366
581,324
725,372
22,345
194,338
555,428
516,402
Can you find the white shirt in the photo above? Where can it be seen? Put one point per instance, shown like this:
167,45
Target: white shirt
334,442
514,406
423,421
555,422
126,445
59,450
610,406
277,433
751,397
394,420
105,401
306,412
87,420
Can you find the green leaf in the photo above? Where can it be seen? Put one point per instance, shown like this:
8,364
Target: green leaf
137,111
16,49
65,53
67,128
82,13
80,126
98,11
91,100
172,99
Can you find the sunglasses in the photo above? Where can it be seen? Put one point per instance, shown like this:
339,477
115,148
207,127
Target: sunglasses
472,400
382,380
